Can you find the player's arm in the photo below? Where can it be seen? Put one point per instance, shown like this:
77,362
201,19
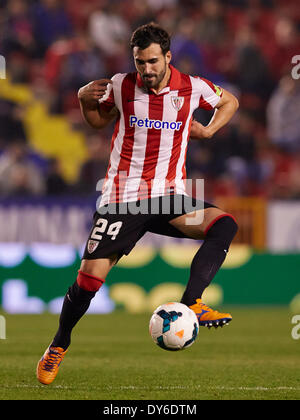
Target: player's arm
89,96
224,111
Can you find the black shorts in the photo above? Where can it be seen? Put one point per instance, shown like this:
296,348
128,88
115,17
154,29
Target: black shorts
118,227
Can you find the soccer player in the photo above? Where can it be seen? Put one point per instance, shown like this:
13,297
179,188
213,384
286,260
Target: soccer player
153,112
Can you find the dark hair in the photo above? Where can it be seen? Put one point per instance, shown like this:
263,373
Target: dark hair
148,34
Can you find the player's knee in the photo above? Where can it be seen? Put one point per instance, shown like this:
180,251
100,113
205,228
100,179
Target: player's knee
98,268
229,224
88,282
223,229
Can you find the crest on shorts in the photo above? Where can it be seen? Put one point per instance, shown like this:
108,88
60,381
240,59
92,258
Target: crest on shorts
92,245
177,102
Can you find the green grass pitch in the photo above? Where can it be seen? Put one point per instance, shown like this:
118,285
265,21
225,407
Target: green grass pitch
112,357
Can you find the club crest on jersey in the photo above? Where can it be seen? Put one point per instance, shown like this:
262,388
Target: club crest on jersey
177,102
92,245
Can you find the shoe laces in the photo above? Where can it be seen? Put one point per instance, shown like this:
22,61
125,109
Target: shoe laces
53,358
203,306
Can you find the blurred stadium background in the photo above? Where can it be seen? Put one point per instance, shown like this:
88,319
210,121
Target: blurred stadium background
50,161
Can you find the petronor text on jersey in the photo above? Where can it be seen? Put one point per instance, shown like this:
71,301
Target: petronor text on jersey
157,124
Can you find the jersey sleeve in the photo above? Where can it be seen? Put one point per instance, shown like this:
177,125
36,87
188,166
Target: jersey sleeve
209,93
107,102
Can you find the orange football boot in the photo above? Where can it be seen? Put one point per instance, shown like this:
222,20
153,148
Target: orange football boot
48,366
207,317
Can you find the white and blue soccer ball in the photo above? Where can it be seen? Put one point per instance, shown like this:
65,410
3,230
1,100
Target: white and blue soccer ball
174,326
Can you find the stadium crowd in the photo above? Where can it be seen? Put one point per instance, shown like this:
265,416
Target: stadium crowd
246,46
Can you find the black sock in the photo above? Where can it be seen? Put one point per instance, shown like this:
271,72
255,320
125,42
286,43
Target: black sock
209,258
76,303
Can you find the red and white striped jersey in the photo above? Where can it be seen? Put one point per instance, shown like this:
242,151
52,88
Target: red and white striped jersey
149,143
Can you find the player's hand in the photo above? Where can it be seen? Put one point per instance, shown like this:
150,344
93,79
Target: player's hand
93,91
199,131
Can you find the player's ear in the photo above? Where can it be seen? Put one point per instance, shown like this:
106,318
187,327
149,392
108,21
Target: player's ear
168,57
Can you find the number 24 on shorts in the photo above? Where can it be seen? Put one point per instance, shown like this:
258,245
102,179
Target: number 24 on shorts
101,225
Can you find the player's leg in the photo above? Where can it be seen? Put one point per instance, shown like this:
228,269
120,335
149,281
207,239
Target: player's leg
217,229
113,235
77,300
91,276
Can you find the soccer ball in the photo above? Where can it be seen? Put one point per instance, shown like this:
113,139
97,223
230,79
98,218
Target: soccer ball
174,326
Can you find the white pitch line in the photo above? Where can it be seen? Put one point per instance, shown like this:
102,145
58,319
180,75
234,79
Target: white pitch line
259,388
223,388
158,387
